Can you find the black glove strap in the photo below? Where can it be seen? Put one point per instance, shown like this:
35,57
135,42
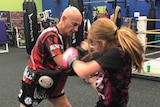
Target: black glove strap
81,51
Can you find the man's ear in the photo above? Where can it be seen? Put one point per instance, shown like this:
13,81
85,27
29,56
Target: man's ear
64,18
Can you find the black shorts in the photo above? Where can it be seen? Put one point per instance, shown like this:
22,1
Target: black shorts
31,94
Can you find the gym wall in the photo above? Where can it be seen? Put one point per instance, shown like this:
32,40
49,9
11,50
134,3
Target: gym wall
134,6
16,5
57,6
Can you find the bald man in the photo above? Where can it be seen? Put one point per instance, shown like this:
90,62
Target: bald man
43,77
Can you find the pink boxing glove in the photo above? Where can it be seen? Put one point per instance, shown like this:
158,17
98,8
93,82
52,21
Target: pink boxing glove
70,55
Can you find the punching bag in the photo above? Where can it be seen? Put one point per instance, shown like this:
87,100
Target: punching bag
76,39
151,25
127,11
127,19
30,24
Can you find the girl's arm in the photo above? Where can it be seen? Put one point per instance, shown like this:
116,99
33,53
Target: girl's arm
85,69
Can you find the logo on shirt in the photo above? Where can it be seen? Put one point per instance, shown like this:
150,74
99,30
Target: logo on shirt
56,46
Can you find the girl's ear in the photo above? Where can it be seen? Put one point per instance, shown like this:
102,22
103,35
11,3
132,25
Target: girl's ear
102,43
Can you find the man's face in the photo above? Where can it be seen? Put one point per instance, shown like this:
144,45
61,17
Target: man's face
72,24
5,18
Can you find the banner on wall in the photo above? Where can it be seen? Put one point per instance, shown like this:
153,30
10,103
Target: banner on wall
16,19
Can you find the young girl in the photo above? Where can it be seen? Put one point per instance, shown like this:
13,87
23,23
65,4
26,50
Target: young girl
121,51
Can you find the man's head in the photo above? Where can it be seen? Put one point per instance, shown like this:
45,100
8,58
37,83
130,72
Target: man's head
70,20
4,17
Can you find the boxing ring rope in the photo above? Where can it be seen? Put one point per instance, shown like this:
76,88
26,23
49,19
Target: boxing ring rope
141,31
153,62
149,32
153,20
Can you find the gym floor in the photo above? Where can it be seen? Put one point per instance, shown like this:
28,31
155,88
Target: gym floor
142,93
